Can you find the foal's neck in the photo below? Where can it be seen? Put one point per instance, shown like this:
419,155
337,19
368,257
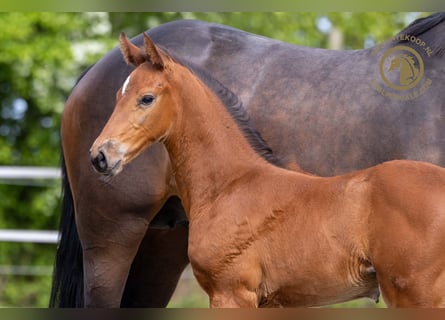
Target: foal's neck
207,149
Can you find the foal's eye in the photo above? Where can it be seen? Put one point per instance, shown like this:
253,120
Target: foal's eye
146,100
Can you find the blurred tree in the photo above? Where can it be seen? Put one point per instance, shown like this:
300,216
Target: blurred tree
37,71
307,28
41,54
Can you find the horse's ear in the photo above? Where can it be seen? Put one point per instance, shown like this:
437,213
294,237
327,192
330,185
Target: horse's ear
132,54
155,55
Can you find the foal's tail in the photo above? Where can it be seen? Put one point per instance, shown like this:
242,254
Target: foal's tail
67,285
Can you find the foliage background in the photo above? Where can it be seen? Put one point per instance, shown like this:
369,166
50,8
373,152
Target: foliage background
41,55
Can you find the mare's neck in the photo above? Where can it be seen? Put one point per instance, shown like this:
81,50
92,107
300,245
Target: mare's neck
207,149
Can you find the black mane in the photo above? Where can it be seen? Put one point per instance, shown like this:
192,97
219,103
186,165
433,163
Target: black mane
421,26
235,107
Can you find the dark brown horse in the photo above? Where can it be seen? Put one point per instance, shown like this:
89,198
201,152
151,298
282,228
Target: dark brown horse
317,107
261,235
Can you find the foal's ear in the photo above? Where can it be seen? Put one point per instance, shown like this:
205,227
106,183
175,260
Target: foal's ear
132,54
155,55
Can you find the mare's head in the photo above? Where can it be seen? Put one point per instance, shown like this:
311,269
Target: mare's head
145,108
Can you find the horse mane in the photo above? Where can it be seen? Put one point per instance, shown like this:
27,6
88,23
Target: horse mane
236,109
422,25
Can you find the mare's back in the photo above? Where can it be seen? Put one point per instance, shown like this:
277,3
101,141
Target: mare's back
315,106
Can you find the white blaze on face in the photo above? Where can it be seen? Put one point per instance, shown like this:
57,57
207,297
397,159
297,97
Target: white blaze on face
124,87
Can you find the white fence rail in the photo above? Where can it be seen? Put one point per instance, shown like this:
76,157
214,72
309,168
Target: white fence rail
21,173
9,173
9,235
22,236
35,236
27,175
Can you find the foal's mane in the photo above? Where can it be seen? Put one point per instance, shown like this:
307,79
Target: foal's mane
421,26
236,109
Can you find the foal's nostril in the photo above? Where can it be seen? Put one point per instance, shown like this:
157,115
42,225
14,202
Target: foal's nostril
100,162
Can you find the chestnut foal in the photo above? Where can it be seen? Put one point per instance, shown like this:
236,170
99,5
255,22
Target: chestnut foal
261,235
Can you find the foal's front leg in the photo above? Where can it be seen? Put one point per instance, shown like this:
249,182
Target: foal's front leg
241,298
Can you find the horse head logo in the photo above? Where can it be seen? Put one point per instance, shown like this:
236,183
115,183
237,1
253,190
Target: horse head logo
406,65
401,68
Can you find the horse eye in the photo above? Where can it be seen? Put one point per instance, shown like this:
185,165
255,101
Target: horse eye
147,100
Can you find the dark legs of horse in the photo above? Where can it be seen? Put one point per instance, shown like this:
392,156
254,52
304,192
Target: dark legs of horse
107,259
160,261
157,268
112,224
161,258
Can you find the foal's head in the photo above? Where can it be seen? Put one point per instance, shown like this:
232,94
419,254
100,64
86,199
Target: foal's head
145,110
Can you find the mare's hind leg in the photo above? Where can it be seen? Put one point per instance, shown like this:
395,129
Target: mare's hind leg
161,259
156,270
